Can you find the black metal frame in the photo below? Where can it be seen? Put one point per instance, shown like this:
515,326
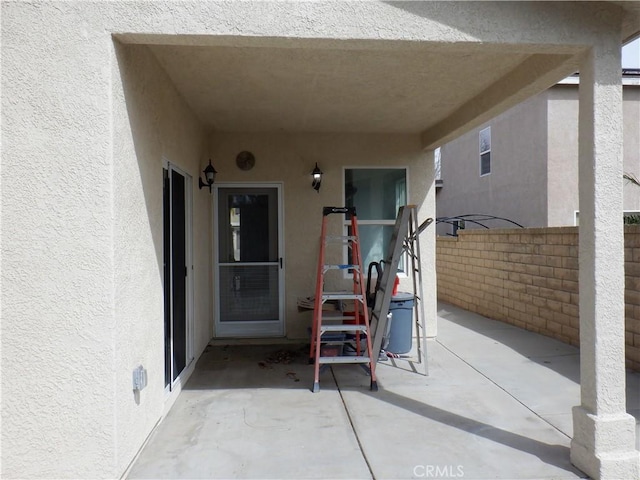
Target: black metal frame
475,218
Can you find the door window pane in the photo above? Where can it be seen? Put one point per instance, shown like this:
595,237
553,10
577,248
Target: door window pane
248,228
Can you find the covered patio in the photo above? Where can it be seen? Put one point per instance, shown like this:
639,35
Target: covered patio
114,281
496,404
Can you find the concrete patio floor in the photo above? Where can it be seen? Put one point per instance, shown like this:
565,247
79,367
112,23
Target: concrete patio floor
496,404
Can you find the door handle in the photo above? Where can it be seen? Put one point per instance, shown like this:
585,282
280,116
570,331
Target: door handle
280,262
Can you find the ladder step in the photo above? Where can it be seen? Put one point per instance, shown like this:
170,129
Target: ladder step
337,317
341,238
341,296
344,359
342,267
343,328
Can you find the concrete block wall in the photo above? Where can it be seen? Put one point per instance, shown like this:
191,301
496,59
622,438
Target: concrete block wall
529,278
632,295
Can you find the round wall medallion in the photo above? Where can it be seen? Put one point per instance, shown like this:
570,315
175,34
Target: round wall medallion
245,160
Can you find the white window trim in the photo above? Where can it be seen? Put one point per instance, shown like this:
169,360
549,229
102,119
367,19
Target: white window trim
482,152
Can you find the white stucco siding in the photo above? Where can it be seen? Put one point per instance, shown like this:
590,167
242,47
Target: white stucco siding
82,240
289,159
562,163
563,151
539,134
631,146
518,163
152,124
58,328
561,26
81,196
516,187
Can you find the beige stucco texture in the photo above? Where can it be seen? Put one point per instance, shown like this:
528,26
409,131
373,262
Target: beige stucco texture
99,97
515,188
153,127
289,159
534,162
326,87
562,137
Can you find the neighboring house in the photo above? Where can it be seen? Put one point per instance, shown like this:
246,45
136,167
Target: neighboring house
115,262
523,164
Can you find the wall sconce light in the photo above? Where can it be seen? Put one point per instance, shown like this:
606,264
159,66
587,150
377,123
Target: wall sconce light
317,178
209,175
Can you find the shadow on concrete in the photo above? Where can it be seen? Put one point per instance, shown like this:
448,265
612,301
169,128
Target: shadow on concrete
286,367
557,455
540,349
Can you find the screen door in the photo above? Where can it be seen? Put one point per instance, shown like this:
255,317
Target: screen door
178,321
248,257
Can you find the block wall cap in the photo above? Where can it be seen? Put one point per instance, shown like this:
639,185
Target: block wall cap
522,231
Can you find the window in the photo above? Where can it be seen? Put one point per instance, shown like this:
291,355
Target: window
485,151
377,194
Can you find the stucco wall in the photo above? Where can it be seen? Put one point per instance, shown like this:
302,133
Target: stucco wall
631,146
152,126
563,151
529,278
562,155
82,258
515,189
289,159
58,286
69,254
542,130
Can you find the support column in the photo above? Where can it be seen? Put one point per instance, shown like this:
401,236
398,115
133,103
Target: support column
603,444
428,249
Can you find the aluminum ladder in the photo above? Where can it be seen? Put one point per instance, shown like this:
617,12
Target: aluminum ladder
404,241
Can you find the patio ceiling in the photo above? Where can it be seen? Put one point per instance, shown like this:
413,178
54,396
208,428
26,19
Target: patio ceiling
436,89
326,90
406,88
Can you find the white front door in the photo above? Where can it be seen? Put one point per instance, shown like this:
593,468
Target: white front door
248,269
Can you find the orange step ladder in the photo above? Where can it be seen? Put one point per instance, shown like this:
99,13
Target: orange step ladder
331,329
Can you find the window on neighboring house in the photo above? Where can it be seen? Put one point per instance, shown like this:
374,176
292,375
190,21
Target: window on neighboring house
437,158
485,151
377,194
